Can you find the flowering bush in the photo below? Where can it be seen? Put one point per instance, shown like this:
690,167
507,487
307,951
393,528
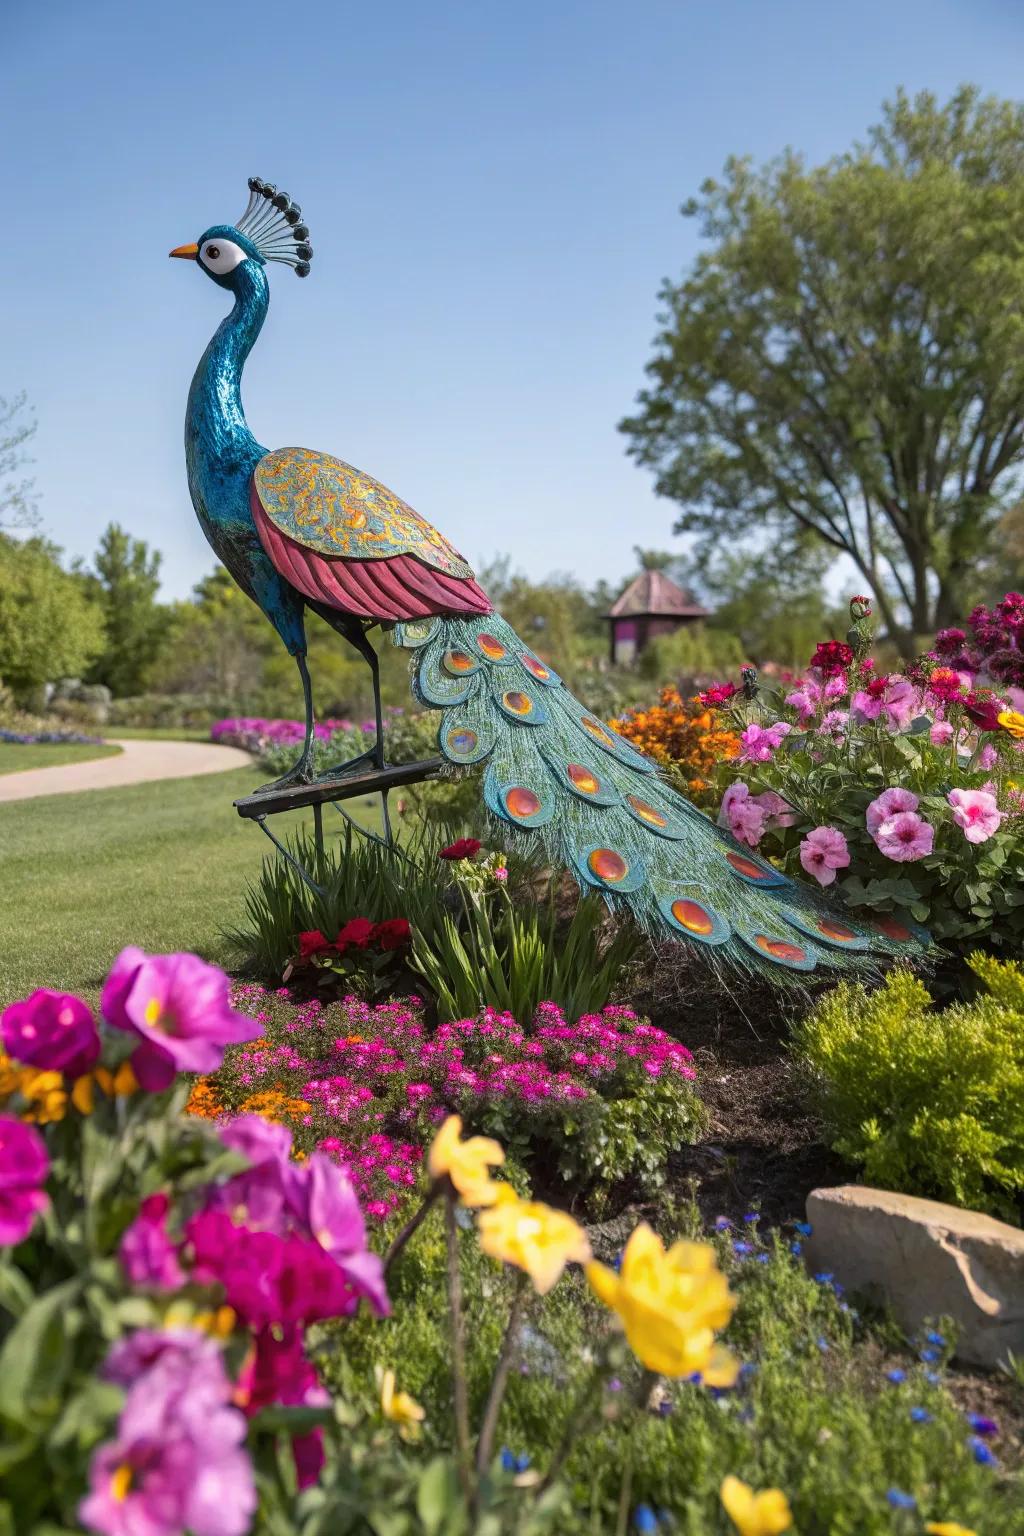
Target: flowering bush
685,736
902,791
604,1099
929,1104
45,738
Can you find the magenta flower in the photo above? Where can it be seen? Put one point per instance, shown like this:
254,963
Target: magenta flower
822,852
24,1167
904,838
810,696
52,1031
277,1371
888,803
177,1462
941,733
326,1206
179,1008
779,812
759,743
975,811
743,816
148,1257
900,703
134,1354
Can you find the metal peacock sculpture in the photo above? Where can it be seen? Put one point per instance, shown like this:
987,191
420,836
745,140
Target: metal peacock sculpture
299,529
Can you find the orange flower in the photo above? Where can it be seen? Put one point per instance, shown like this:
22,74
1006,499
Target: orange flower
204,1102
682,735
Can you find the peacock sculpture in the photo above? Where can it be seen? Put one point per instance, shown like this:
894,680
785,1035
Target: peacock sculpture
299,529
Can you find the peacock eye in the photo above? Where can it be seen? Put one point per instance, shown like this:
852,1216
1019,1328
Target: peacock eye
221,256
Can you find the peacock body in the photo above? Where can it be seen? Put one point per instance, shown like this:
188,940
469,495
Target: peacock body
299,529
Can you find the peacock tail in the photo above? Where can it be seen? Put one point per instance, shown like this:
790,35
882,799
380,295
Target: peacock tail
559,777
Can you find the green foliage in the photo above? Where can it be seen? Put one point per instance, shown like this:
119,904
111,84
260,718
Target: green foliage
931,1103
693,652
814,1414
474,946
775,608
17,427
125,585
844,358
49,628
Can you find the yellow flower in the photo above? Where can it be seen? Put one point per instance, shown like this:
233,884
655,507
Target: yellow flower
756,1514
670,1305
120,1084
1012,722
45,1094
466,1163
399,1407
948,1528
533,1237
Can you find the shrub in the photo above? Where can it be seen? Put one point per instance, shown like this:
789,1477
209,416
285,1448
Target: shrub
473,944
684,737
931,1103
593,1103
167,711
902,790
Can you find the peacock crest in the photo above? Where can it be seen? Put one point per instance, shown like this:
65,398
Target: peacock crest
273,223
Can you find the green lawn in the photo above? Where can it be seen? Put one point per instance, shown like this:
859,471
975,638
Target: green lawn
49,754
160,865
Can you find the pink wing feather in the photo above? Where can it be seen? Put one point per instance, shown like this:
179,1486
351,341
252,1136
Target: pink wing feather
396,587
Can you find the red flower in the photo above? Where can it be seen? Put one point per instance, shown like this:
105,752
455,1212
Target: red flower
393,934
721,693
463,848
312,942
983,709
944,684
358,931
831,658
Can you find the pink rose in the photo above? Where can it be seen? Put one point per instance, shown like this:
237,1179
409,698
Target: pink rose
976,812
904,838
889,802
822,852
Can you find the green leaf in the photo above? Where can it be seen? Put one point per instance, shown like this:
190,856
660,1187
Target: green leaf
15,1292
36,1358
437,1494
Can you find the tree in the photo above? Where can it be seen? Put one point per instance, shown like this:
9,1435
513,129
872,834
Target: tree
17,501
48,626
846,358
125,583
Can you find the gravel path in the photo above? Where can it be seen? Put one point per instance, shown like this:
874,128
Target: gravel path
138,762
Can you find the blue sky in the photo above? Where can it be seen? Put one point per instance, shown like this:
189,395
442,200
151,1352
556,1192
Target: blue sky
492,192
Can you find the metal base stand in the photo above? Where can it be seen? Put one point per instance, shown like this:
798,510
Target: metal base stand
333,792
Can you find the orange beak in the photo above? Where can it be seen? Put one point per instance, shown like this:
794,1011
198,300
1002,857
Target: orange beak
186,252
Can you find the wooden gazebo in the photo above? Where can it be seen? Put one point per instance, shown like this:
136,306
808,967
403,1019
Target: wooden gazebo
651,605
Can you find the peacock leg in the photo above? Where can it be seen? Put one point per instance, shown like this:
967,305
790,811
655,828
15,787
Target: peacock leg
302,772
356,636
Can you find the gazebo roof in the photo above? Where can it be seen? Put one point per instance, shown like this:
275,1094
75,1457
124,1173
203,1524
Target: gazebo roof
655,595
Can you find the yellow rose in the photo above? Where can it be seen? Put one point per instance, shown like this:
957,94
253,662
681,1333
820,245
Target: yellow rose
533,1237
1012,723
399,1407
670,1305
756,1514
466,1163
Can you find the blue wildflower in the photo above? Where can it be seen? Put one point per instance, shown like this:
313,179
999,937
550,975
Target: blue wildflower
742,1249
615,1385
764,1258
920,1415
753,1217
747,1369
929,1356
932,1378
981,1425
896,1377
665,1407
644,1519
900,1500
823,1345
796,1248
826,1277
512,1463
982,1453
803,1227
723,1224
936,1339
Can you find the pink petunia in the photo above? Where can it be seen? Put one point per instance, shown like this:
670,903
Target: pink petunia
888,803
904,837
759,743
975,811
822,852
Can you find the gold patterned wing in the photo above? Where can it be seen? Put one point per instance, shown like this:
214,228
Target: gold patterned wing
328,506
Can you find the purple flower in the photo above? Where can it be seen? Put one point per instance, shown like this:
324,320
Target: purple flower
328,1209
52,1031
24,1167
179,1008
177,1461
982,1425
136,1353
148,1257
887,805
259,1197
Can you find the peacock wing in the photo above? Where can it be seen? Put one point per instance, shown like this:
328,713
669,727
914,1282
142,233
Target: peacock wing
329,507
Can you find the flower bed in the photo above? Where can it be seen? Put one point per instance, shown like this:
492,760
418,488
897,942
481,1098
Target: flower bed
48,738
604,1099
902,790
684,736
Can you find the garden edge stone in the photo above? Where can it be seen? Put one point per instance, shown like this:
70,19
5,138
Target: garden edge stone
924,1260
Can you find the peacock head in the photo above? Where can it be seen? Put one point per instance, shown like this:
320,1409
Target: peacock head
270,229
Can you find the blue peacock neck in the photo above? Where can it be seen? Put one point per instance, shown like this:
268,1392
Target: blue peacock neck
220,450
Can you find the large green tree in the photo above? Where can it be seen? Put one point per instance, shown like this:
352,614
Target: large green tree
125,583
17,495
845,359
48,626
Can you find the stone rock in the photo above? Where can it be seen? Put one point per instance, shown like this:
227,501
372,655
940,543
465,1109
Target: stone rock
925,1260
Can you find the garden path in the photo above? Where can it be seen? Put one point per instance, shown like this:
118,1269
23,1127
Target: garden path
137,762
